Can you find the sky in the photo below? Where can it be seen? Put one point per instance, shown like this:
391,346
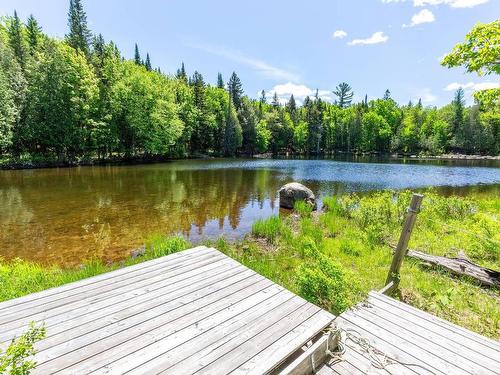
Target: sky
289,46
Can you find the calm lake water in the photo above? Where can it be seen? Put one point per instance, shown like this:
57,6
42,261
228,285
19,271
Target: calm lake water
69,214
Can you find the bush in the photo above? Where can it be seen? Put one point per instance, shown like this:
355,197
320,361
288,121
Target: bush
323,283
15,359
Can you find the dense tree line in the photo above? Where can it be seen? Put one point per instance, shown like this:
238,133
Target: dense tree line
79,98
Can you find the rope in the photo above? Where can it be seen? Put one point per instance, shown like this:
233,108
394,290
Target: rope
377,358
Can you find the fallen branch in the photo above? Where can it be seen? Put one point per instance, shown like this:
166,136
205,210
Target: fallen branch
460,265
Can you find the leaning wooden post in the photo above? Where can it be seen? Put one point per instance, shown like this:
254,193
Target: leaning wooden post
393,276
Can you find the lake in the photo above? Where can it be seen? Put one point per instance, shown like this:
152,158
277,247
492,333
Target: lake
66,215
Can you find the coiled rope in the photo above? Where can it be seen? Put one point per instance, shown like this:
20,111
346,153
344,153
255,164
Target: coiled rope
377,358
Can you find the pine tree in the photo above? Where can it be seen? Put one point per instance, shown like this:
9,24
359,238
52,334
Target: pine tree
276,102
235,89
232,131
457,122
137,55
16,39
387,94
147,64
263,97
220,81
79,34
344,93
366,101
181,73
291,105
34,32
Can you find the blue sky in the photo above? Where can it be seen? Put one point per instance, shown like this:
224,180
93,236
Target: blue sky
292,46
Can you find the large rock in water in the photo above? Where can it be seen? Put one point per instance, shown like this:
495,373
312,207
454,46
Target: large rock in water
293,192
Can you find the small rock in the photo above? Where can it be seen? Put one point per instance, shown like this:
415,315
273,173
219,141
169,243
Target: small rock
139,252
293,192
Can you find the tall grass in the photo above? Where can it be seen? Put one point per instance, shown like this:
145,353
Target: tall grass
19,277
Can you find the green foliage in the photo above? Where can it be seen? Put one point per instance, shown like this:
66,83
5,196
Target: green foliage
324,283
15,360
269,228
160,245
79,99
303,208
480,53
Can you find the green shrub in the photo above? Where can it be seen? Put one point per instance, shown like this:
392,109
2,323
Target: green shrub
323,283
15,360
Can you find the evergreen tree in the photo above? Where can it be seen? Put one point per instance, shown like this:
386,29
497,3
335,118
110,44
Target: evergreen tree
181,73
248,121
263,98
137,55
344,94
275,103
232,131
365,103
147,64
457,122
34,32
387,94
220,81
235,89
292,107
79,35
16,39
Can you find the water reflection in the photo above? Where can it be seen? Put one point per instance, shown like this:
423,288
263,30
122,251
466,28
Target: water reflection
66,215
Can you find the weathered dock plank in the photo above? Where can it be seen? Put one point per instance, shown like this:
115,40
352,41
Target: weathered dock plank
383,335
193,311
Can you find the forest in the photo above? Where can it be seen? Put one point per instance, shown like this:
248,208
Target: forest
79,99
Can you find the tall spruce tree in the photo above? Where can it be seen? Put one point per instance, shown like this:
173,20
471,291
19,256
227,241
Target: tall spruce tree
137,55
235,89
344,94
232,132
34,33
457,122
181,73
79,35
387,94
220,81
276,102
16,41
147,64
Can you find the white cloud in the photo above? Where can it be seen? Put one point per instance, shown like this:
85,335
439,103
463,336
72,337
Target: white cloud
377,37
471,86
260,66
451,3
425,95
284,91
424,16
339,34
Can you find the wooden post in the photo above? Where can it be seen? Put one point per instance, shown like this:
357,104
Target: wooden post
393,276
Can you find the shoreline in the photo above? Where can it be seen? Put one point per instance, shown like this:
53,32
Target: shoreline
21,165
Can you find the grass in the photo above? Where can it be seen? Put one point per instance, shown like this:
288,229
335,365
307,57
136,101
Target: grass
19,277
334,258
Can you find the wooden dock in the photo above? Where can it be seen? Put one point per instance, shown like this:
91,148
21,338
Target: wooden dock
385,336
199,311
196,311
